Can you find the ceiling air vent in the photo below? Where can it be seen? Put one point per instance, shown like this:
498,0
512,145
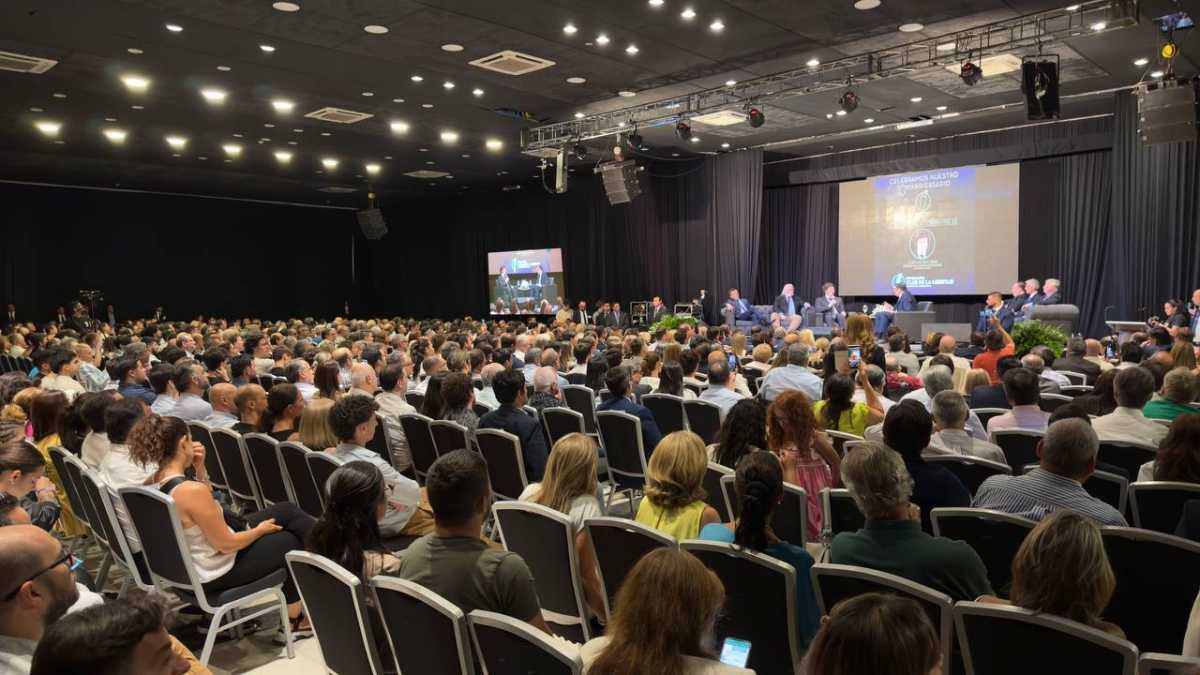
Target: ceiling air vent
338,115
426,173
512,63
20,63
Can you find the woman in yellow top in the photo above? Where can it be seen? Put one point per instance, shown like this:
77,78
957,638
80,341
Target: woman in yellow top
46,414
839,412
674,501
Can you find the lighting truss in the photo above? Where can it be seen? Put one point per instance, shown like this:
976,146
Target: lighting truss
1031,30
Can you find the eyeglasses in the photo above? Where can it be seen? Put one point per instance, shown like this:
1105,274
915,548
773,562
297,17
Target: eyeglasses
73,564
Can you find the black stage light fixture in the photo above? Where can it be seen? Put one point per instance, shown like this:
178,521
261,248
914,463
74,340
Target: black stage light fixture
848,101
756,118
581,151
971,74
636,141
683,130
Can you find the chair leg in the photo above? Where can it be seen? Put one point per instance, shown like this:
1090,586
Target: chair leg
214,627
102,574
286,624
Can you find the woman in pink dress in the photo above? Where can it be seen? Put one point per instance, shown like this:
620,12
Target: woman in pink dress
807,455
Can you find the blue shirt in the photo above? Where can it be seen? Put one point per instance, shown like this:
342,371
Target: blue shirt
220,419
791,307
1039,493
163,404
127,390
778,380
722,397
191,407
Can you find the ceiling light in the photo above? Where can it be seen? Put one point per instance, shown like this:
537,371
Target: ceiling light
717,26
841,113
730,83
450,47
915,99
1156,74
282,105
373,169
267,49
869,120
326,133
399,127
626,94
576,80
1072,8
812,63
477,92
417,78
174,28
828,116
449,137
298,131
48,127
237,136
269,125
695,139
656,3
940,108
214,96
946,47
621,124
426,105
286,6
397,100
447,85
570,29
725,145
224,69
177,142
866,4
329,163
375,29
1098,26
368,93
631,50
602,39
136,82
37,110
579,115
58,95
232,149
110,119
134,50
911,27
116,135
137,107
688,14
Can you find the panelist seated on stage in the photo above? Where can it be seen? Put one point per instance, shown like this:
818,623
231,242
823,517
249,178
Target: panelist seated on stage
737,308
786,313
1048,296
885,313
1017,301
829,308
994,306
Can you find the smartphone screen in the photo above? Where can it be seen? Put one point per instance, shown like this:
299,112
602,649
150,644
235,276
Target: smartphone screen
733,362
855,356
840,361
735,652
1109,352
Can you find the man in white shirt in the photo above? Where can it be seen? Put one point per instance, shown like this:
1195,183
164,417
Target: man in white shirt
301,374
190,382
430,366
162,378
1095,354
260,349
950,413
1021,388
937,379
92,378
1132,388
795,375
521,346
962,366
720,391
876,377
63,367
35,575
394,381
1051,380
117,468
487,395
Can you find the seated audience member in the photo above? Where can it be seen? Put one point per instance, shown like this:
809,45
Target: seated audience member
898,347
806,453
795,376
1180,388
434,405
353,421
1102,399
394,382
877,378
90,375
251,403
1068,458
64,367
487,395
674,494
959,366
315,431
1178,457
23,477
216,361
241,367
949,415
1069,411
95,444
546,392
509,386
759,489
454,561
650,366
761,355
1021,388
876,633
1049,381
190,384
282,412
222,396
721,390
259,349
1160,341
674,592
223,558
937,379
430,366
1130,355
976,377
1095,353
998,344
618,383
124,635
364,381
131,374
570,487
459,395
301,374
327,378
992,395
1127,424
892,540
743,431
36,577
1075,360
348,530
907,430
162,381
839,412
1062,569
670,381
47,413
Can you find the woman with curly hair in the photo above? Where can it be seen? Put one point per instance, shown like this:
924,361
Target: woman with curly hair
674,501
807,454
743,431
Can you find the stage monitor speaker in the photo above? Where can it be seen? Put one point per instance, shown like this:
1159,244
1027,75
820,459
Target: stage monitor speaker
620,180
371,222
1167,113
1039,82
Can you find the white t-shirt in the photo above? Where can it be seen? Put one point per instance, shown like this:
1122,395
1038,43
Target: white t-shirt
95,447
582,507
692,665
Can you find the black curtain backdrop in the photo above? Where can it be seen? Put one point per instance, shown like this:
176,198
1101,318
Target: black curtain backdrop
800,240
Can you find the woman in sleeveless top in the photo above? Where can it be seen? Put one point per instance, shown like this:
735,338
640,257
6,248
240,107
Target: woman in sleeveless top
674,502
223,558
806,453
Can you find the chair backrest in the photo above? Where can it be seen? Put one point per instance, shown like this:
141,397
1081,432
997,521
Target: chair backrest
576,378
156,522
1001,640
667,411
481,409
1051,402
1158,505
449,436
1019,446
972,471
506,646
704,419
263,453
1126,456
1074,377
335,603
505,463
618,544
299,477
1108,488
419,434
321,466
694,388
106,520
583,401
760,603
835,583
789,522
621,436
380,443
840,438
1156,585
212,461
1154,663
427,633
839,512
1075,390
559,422
69,468
994,535
415,399
238,473
985,414
714,492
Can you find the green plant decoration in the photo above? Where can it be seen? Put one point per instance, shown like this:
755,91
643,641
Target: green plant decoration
673,321
1029,334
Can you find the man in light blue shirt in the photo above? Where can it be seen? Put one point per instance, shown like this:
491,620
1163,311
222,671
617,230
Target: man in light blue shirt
353,420
720,391
189,382
162,382
224,411
795,375
785,314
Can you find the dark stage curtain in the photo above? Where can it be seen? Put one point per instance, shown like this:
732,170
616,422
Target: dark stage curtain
800,240
737,198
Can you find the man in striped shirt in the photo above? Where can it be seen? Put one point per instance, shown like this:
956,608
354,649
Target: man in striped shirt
1068,458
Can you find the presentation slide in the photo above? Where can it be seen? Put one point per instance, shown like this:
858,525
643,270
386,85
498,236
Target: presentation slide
526,282
941,232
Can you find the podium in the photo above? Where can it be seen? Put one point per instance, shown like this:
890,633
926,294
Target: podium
1126,329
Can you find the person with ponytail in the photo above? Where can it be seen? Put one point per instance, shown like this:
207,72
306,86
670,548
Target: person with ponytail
224,556
759,490
284,407
23,476
348,531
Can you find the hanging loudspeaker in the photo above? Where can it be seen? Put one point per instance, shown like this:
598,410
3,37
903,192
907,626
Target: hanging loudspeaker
1039,82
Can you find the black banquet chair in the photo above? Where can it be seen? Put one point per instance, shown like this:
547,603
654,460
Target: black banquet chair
618,544
994,535
1158,505
299,476
335,602
1019,446
972,471
505,463
262,452
506,646
839,513
559,422
667,411
427,633
419,434
704,419
1156,586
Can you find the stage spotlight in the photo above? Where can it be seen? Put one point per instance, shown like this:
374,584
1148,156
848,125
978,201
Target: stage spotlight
971,74
635,140
683,130
1168,51
756,118
848,101
580,151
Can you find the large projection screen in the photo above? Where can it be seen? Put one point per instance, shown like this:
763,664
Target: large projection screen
530,281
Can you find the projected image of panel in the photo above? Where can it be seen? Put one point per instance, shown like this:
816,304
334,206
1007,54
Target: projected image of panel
940,232
526,282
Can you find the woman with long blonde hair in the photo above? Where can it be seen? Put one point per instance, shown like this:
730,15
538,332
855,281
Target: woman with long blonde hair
738,344
674,502
861,331
315,432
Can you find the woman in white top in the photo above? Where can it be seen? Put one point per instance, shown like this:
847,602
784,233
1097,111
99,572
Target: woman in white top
569,486
223,557
651,364
670,381
663,620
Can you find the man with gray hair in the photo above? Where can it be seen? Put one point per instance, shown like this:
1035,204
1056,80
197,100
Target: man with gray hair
892,540
938,379
1035,364
1127,424
1068,458
487,395
795,375
1075,360
1180,388
546,392
950,414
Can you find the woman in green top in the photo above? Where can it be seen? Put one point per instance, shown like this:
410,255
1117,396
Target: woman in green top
674,501
839,412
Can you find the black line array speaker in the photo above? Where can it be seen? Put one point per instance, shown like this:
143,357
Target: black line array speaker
620,180
371,222
1039,81
1167,113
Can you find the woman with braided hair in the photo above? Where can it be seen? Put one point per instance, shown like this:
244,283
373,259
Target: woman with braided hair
348,531
759,489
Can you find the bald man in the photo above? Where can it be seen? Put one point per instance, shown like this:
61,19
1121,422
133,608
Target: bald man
251,403
363,380
1095,354
962,366
222,396
487,395
36,588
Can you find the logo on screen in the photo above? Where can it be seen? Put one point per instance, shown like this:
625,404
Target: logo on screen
922,244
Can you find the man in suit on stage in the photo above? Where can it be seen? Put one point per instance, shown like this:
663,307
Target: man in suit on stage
1017,301
580,315
736,308
905,302
1195,309
994,306
541,281
603,316
657,311
1051,295
829,308
60,317
786,313
618,319
10,316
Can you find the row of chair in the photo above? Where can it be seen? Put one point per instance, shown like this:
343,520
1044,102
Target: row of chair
15,364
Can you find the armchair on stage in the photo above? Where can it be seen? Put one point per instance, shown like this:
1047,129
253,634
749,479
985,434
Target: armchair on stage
1059,316
761,316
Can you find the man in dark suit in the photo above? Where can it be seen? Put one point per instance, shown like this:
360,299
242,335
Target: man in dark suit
601,317
1074,361
657,311
736,308
1017,301
509,386
617,318
1050,295
111,315
540,281
60,317
618,380
581,315
992,395
994,306
829,308
10,315
786,313
905,302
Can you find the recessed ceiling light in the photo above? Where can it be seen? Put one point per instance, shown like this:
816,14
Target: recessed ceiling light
283,156
375,29
426,105
656,3
451,47
174,28
136,82
602,39
177,142
177,155
387,157
267,49
866,4
422,149
326,133
812,63
429,163
911,27
725,145
841,113
626,94
417,78
110,119
232,149
1156,74
674,154
1072,8
579,115
449,137
447,85
282,105
35,110
717,26
237,136
286,6
1098,26
224,69
214,96
631,50
137,107
828,116
397,100
398,127
494,144
1141,62
264,140
941,108
576,80
292,143
116,135
134,50
466,156
58,94
570,29
621,124
329,163
269,125
915,99
373,169
730,83
477,92
368,93
869,120
688,14
298,131
695,139
48,127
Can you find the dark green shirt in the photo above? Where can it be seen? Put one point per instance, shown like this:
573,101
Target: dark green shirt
468,573
900,547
